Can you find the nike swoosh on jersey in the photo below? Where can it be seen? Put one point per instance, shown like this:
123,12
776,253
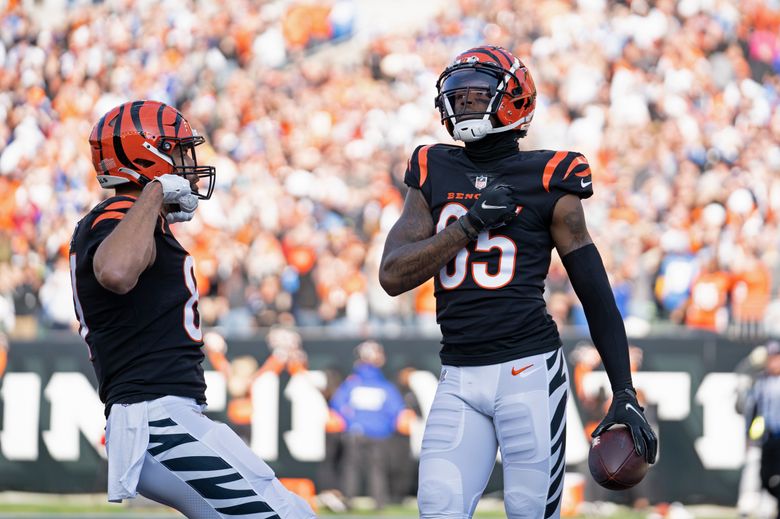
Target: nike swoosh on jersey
585,184
488,206
516,372
631,407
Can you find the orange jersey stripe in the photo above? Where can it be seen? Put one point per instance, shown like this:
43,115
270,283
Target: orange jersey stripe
108,216
584,173
422,159
122,204
550,168
576,162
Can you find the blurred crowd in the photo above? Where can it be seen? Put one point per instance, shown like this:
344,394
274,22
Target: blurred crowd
674,103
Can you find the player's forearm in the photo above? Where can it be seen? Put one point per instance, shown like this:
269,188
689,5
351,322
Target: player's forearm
410,265
128,250
589,280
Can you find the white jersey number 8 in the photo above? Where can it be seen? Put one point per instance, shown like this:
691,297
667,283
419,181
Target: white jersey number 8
191,316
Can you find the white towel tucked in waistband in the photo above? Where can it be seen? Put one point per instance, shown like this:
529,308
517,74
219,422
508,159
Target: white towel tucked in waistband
127,436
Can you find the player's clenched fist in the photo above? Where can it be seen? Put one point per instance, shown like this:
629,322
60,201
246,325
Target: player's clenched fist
175,188
495,207
177,192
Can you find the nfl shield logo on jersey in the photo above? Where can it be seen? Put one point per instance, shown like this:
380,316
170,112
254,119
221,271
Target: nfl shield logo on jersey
480,182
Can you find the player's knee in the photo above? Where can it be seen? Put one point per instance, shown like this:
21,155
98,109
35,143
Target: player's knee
520,504
439,498
440,493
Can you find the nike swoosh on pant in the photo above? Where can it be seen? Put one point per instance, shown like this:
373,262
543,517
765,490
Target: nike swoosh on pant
516,372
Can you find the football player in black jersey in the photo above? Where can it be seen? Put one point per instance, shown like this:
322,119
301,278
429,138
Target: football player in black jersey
482,221
137,303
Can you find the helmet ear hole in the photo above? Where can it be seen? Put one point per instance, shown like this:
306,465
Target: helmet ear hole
144,163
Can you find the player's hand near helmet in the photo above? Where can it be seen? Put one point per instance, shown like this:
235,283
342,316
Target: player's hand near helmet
625,409
179,216
177,195
496,206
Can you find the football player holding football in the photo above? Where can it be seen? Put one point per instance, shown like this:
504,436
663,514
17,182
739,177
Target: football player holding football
482,221
137,303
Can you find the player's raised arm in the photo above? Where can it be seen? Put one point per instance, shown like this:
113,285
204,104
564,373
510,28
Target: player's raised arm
413,253
129,249
589,280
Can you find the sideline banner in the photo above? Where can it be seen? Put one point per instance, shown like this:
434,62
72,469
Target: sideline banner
51,420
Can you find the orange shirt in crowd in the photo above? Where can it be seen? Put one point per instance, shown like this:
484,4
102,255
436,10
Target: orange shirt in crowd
424,300
8,189
335,423
751,293
302,23
707,305
239,411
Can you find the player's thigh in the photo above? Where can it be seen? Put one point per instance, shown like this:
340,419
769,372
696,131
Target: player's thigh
210,458
458,454
530,425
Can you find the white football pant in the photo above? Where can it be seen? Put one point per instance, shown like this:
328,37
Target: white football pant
168,451
519,407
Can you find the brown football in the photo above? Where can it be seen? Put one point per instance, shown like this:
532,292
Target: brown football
613,462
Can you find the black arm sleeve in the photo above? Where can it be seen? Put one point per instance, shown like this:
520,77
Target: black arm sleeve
589,279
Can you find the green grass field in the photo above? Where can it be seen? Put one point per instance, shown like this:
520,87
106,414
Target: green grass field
88,509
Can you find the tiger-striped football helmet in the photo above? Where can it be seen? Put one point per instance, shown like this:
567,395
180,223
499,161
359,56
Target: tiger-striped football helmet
137,141
485,90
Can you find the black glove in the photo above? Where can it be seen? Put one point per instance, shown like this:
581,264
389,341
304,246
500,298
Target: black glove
626,410
494,208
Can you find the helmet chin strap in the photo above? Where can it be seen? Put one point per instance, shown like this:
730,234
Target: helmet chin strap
472,130
468,130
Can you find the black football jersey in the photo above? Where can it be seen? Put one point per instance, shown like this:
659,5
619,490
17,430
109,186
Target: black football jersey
489,298
147,343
